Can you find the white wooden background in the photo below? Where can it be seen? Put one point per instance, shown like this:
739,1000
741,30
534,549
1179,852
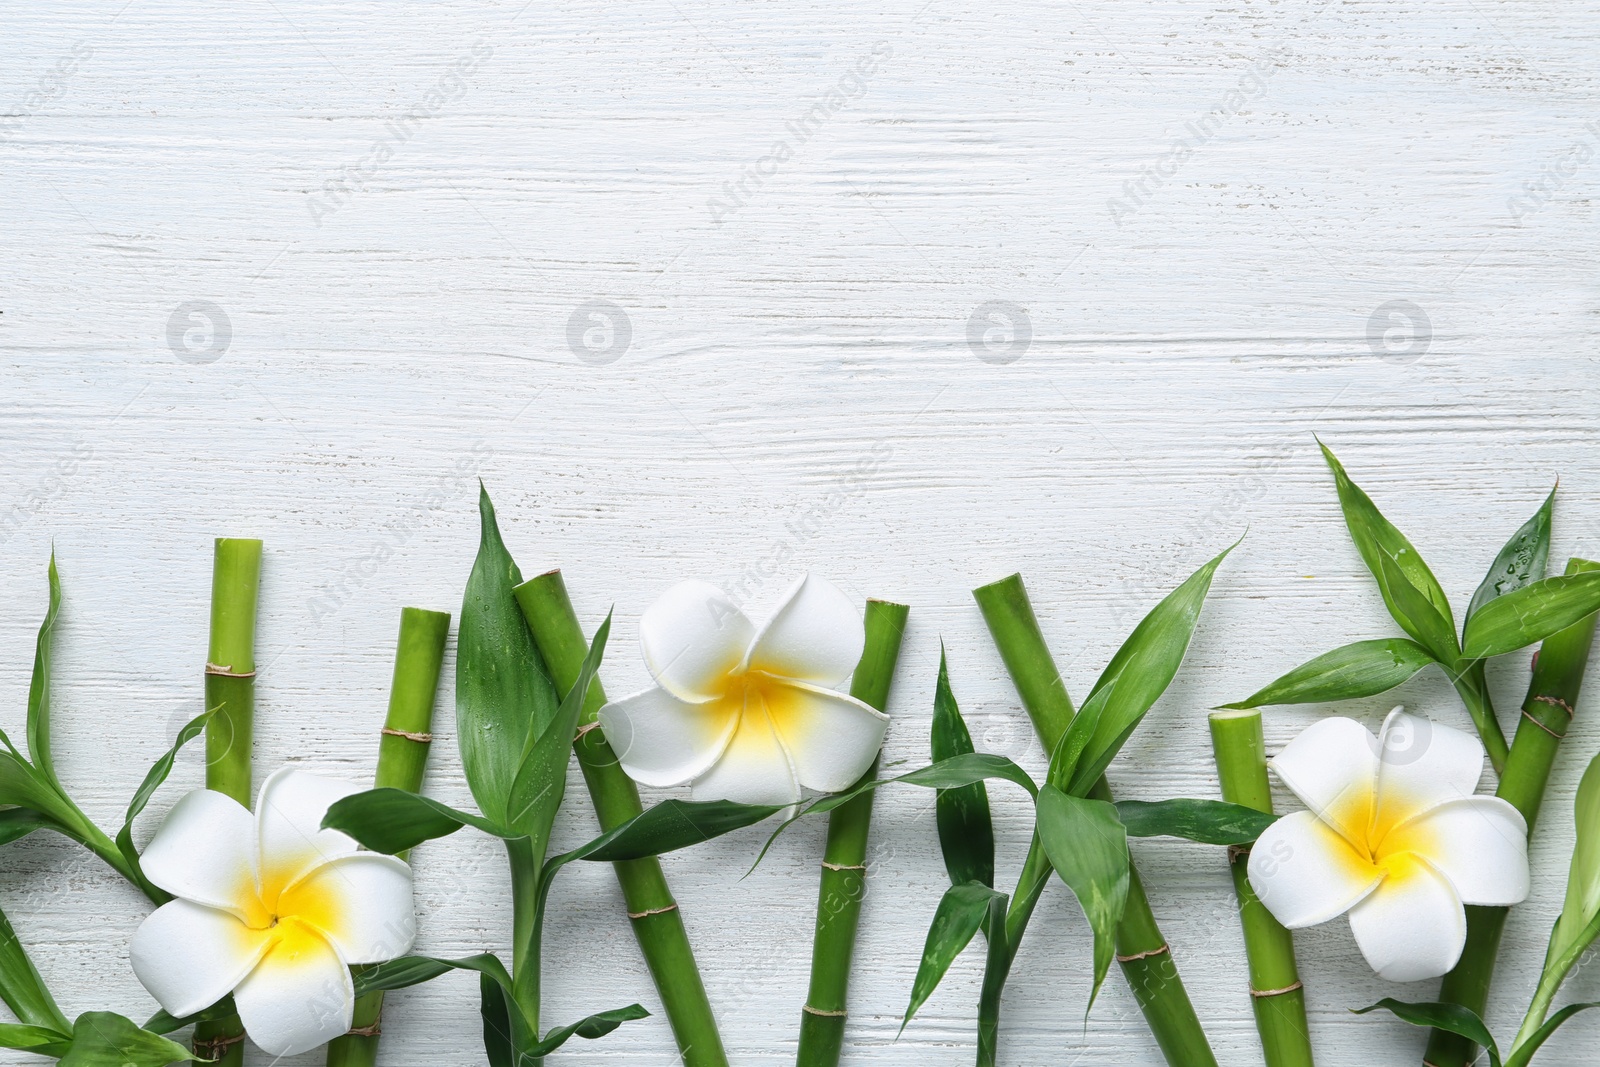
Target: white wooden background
799,384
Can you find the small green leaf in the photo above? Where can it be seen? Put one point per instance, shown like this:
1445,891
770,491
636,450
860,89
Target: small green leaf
966,831
1524,1052
1210,822
393,820
1530,614
1137,676
1451,1017
497,1009
598,1025
162,1023
962,910
105,1039
667,827
39,1040
1416,615
1362,669
39,687
1522,560
1088,847
1376,537
152,781
503,691
21,987
414,970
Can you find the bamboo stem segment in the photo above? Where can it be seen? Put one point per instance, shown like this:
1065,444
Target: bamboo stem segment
653,913
230,676
1275,992
844,865
1547,711
1142,951
402,758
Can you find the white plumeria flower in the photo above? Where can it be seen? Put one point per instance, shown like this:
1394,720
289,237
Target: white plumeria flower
1395,837
747,714
271,908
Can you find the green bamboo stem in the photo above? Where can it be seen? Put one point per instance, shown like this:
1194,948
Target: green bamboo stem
844,861
1142,951
230,694
402,758
525,928
1473,688
657,922
1547,712
1275,991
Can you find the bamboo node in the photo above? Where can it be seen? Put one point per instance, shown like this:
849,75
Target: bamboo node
1558,702
1275,992
1235,851
844,866
809,1010
652,911
586,728
224,670
1542,726
371,1030
1144,955
214,1047
419,738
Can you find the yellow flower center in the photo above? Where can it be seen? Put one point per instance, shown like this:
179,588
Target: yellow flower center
753,692
1377,839
292,916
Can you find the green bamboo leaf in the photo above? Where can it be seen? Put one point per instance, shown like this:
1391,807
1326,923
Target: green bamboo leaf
597,1025
962,910
1575,927
1416,615
152,781
413,970
39,687
1088,847
1530,614
1451,1017
1137,676
39,1040
17,823
1362,669
1376,537
105,1039
1522,560
394,820
162,1023
541,781
1524,1052
21,987
1209,822
666,827
497,1009
966,831
503,691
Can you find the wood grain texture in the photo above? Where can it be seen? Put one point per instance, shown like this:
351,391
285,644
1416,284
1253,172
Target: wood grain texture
798,391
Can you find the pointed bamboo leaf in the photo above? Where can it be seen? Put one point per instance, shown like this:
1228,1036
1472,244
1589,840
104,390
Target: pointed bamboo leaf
394,820
1376,537
541,781
1209,822
1524,1052
1416,615
21,987
39,687
496,1008
39,1040
1576,927
966,831
162,1023
1523,559
414,970
1531,614
1451,1017
597,1025
105,1039
962,911
1143,668
152,781
16,823
1088,847
503,691
666,827
1361,669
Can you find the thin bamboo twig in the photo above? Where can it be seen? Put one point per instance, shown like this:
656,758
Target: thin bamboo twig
1142,950
1276,995
402,757
652,911
844,864
230,677
1547,712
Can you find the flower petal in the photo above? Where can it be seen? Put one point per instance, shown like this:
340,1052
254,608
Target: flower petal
204,851
361,904
661,740
1423,765
1480,844
1306,873
754,769
190,956
299,996
815,635
289,832
831,738
1412,926
1332,766
692,637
